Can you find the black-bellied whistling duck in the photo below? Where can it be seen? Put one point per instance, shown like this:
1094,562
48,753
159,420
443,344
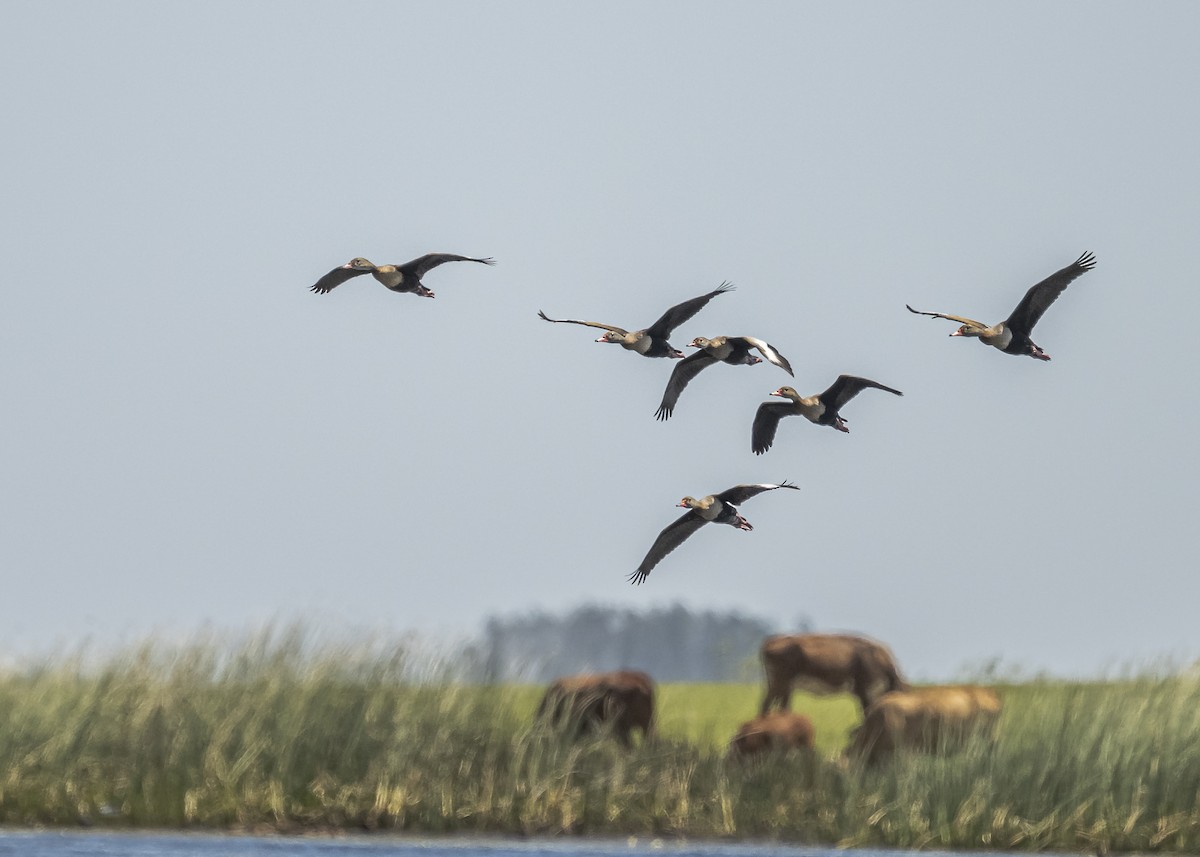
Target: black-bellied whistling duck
715,508
398,278
734,350
1012,335
821,409
650,341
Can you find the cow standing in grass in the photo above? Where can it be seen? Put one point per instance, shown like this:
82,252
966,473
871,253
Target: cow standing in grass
827,663
624,698
925,719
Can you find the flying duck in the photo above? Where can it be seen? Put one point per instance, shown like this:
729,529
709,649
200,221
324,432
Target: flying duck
650,341
1012,335
821,409
398,278
733,350
715,508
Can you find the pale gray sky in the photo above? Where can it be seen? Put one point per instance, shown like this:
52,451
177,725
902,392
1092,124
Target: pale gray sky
190,436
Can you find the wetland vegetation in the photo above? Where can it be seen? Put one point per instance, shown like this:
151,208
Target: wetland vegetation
277,734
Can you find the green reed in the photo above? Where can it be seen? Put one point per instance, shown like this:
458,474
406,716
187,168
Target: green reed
284,734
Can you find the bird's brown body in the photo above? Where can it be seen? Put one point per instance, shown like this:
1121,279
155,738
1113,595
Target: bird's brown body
1012,336
734,350
651,341
397,278
821,409
714,509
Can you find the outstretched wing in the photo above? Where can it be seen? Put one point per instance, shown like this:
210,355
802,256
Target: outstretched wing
970,322
846,387
680,313
685,370
770,352
428,262
335,278
739,494
766,421
545,317
1039,297
672,536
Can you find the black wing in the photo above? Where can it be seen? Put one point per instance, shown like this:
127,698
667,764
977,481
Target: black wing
335,278
766,421
428,262
685,370
1038,299
680,313
768,351
739,494
672,536
846,387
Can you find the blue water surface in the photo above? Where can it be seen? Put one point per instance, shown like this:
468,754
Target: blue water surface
93,844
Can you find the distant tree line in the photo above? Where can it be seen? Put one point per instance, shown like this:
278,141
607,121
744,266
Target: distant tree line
672,644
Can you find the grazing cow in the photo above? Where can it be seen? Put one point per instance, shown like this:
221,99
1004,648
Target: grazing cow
827,663
624,698
927,719
779,730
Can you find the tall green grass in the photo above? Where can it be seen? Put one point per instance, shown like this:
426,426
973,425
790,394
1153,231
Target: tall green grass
278,733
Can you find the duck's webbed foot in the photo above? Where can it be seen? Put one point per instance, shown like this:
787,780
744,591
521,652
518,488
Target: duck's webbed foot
840,425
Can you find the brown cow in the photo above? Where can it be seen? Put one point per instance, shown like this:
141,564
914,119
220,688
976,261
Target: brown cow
827,663
927,719
624,698
779,730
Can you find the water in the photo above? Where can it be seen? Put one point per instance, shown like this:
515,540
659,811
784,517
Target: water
91,844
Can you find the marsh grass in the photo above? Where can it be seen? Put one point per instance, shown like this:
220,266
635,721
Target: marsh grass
283,734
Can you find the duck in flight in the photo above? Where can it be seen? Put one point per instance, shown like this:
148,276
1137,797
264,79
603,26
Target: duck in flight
398,278
715,508
1012,335
650,341
734,350
821,409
